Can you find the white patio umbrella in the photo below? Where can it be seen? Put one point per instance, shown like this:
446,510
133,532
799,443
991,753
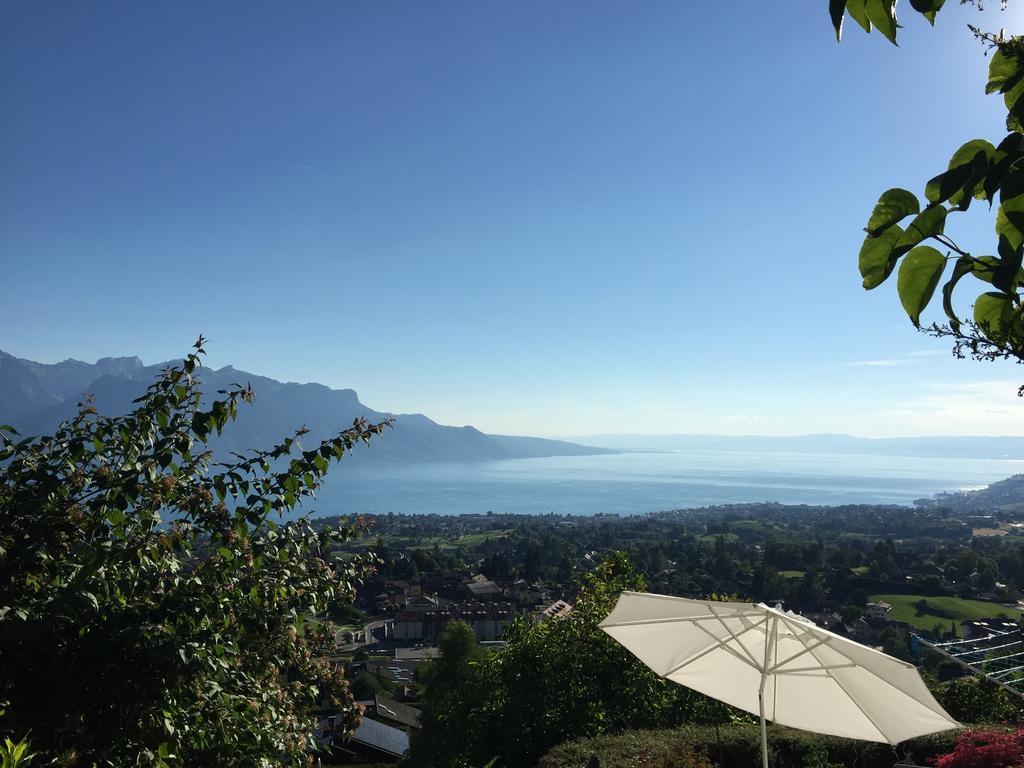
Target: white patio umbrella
777,665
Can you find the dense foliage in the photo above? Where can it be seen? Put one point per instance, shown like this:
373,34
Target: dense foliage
452,691
973,699
555,680
151,611
809,557
738,746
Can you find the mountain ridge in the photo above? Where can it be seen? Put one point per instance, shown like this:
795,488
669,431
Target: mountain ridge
36,397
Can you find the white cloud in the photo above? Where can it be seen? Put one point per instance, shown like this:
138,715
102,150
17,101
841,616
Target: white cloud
886,363
907,358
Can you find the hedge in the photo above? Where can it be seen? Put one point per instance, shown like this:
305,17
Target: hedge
739,746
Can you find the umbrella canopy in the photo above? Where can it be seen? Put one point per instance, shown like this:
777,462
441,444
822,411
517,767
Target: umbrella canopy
779,665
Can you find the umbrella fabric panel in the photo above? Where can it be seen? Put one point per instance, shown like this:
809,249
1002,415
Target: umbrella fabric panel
644,606
665,647
889,692
818,703
899,717
666,632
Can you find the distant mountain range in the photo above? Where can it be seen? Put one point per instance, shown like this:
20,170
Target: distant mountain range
36,397
924,447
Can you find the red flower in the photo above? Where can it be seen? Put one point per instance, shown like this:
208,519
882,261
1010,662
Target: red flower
985,748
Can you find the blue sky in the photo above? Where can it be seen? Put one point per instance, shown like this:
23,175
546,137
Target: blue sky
537,218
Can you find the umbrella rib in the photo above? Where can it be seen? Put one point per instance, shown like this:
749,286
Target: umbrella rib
838,682
680,619
721,643
718,644
798,654
735,637
801,670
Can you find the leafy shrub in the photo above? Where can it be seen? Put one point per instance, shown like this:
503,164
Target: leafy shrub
973,699
151,610
738,746
633,749
554,680
14,754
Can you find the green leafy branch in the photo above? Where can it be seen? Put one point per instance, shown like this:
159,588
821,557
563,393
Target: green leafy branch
977,171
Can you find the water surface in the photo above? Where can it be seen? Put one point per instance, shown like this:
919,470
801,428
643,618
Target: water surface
635,483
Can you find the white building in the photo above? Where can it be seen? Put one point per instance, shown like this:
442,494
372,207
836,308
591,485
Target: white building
878,612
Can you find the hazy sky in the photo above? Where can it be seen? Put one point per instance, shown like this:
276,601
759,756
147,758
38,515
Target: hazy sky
534,217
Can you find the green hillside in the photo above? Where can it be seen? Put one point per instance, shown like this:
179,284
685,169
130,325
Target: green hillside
942,610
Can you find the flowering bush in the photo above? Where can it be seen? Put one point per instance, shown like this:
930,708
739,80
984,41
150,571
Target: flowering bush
986,748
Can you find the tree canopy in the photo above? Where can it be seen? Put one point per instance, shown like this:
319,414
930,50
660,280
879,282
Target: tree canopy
556,679
152,612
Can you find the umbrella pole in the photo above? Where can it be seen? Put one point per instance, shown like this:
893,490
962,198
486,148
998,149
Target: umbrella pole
760,691
764,728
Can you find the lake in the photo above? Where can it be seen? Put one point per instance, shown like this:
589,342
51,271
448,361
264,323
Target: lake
636,483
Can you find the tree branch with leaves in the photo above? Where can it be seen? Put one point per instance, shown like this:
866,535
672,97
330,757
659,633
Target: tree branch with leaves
160,607
911,233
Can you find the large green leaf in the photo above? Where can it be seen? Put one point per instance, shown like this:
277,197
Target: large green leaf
919,275
968,152
984,268
882,13
948,184
1010,222
1006,276
894,205
930,222
876,259
1007,154
993,313
1014,100
927,8
1006,76
965,177
858,12
837,9
1012,185
1005,70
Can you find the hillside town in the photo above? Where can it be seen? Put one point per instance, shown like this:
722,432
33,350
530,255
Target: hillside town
892,594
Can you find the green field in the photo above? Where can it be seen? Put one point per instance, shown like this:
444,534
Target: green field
942,610
442,542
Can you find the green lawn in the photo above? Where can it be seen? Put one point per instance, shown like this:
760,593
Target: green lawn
942,610
792,574
473,539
